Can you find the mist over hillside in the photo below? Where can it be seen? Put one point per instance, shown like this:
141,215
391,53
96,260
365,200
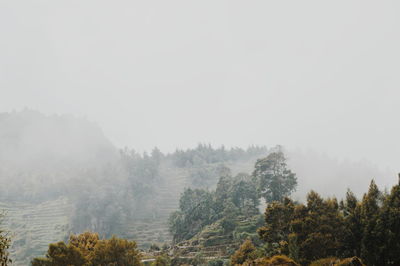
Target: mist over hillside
59,175
201,133
32,140
55,147
39,153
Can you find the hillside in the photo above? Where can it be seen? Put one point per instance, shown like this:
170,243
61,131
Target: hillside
59,175
33,226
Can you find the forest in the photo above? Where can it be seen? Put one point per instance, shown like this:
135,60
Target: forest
97,205
320,231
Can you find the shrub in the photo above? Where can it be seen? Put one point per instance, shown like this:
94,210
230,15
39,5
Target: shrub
325,262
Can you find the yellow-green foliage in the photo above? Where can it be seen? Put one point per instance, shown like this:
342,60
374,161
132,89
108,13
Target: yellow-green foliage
85,242
88,250
247,251
325,262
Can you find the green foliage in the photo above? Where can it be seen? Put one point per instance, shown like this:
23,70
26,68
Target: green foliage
274,180
154,247
390,221
232,197
353,233
196,211
278,216
304,232
205,154
322,229
318,227
373,234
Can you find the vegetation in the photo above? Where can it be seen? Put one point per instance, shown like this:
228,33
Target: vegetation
324,228
87,249
72,179
215,221
233,196
274,180
5,242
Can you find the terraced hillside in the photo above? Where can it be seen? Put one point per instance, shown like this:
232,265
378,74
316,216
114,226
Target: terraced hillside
212,242
34,226
155,229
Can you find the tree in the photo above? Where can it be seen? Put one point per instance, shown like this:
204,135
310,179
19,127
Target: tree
390,221
88,250
318,227
278,216
304,232
85,242
353,233
230,213
5,242
60,254
244,193
275,181
371,245
247,251
115,251
196,211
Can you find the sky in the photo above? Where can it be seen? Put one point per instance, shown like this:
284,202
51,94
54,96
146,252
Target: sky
320,75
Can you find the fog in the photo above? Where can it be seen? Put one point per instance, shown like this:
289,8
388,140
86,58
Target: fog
88,89
306,75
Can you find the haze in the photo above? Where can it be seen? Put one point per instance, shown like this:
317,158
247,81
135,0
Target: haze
306,75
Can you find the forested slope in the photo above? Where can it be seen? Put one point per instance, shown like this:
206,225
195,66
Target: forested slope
59,175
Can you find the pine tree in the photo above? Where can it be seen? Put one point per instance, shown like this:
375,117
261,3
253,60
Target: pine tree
318,228
371,240
353,233
390,221
278,217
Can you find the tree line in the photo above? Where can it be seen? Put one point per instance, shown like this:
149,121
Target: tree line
368,228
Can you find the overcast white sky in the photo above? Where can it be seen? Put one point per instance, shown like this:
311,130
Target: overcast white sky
305,74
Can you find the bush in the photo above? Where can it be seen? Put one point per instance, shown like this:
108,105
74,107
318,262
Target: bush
332,261
216,262
325,262
278,260
354,261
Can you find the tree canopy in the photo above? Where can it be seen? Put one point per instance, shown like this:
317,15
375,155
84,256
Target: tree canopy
274,179
88,250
